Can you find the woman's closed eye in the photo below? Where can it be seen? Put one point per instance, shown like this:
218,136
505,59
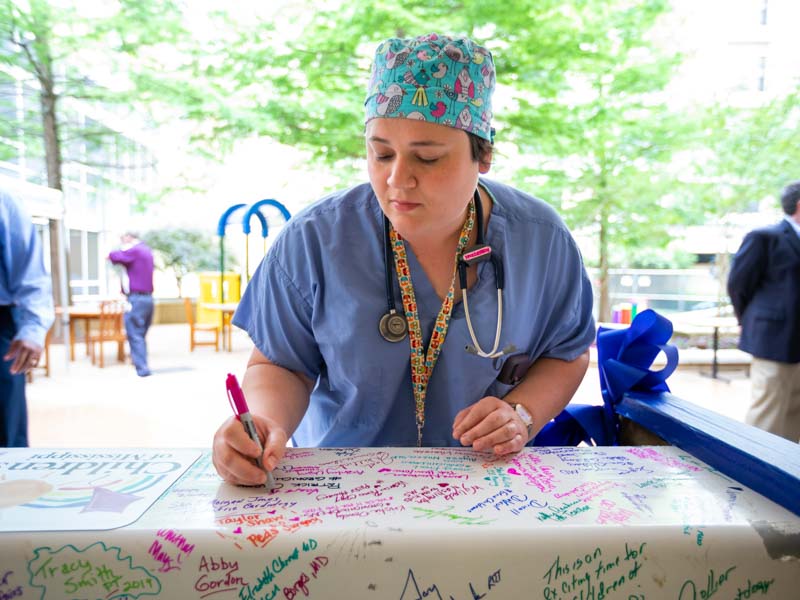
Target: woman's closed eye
423,160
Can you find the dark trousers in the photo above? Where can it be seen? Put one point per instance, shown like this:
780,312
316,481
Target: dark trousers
13,410
137,322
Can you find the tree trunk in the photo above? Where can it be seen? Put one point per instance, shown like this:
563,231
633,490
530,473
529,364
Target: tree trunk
604,308
52,149
55,261
722,264
603,202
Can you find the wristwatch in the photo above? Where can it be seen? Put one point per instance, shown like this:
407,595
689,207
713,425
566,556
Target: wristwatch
526,417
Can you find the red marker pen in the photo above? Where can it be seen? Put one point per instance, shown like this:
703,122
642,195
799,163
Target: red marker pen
242,412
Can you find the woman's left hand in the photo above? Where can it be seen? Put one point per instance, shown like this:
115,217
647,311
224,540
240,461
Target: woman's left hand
490,424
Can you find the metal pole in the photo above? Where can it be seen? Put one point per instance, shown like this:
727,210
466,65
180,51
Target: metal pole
714,357
221,266
247,258
63,292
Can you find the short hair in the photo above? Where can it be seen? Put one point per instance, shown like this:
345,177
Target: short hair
479,147
790,197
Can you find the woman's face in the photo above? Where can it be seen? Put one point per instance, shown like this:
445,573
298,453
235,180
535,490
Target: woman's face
422,173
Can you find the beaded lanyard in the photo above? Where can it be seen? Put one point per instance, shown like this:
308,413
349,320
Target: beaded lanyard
422,361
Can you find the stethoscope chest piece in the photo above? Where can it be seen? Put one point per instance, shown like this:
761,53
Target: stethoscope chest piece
393,327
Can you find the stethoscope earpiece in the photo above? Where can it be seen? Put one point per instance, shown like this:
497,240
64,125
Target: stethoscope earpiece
393,327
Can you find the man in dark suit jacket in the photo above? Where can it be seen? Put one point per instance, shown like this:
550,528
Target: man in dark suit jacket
764,286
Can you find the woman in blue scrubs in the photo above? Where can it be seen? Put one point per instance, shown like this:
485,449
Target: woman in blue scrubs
431,306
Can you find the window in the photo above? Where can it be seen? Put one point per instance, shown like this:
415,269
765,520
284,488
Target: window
93,258
748,68
84,264
43,233
75,254
762,73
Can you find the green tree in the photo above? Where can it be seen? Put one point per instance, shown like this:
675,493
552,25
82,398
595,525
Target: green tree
583,80
607,165
300,78
749,154
752,152
67,53
185,251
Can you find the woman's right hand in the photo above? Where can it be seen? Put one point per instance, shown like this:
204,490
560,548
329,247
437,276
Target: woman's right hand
234,454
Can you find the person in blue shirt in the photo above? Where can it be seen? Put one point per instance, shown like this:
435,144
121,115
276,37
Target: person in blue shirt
26,313
430,306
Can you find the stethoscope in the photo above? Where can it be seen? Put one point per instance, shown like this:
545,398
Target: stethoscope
393,326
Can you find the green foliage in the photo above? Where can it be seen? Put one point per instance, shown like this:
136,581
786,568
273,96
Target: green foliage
650,257
72,55
185,251
751,153
605,164
581,77
307,88
581,85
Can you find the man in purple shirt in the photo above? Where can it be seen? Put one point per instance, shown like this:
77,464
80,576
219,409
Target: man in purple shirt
137,258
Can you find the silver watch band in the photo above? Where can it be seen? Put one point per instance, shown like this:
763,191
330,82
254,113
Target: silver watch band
525,416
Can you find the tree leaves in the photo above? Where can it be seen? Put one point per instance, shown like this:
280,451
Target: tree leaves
185,251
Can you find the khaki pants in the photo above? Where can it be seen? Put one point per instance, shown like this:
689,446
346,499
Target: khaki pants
775,398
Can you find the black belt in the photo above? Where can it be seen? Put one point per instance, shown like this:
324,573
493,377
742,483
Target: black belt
140,293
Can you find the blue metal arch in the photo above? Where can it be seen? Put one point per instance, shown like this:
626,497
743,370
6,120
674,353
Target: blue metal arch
261,218
223,220
256,209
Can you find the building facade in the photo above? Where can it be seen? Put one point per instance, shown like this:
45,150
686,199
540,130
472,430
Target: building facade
104,170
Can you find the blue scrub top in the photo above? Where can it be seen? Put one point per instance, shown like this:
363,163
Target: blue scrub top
314,304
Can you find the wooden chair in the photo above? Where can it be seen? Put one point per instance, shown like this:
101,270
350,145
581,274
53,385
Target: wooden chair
110,329
44,360
195,327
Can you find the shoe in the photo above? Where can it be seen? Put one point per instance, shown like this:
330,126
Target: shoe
143,372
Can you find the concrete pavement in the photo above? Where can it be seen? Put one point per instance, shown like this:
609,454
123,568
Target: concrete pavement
184,401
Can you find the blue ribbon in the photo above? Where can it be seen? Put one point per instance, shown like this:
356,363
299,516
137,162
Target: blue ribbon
624,357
